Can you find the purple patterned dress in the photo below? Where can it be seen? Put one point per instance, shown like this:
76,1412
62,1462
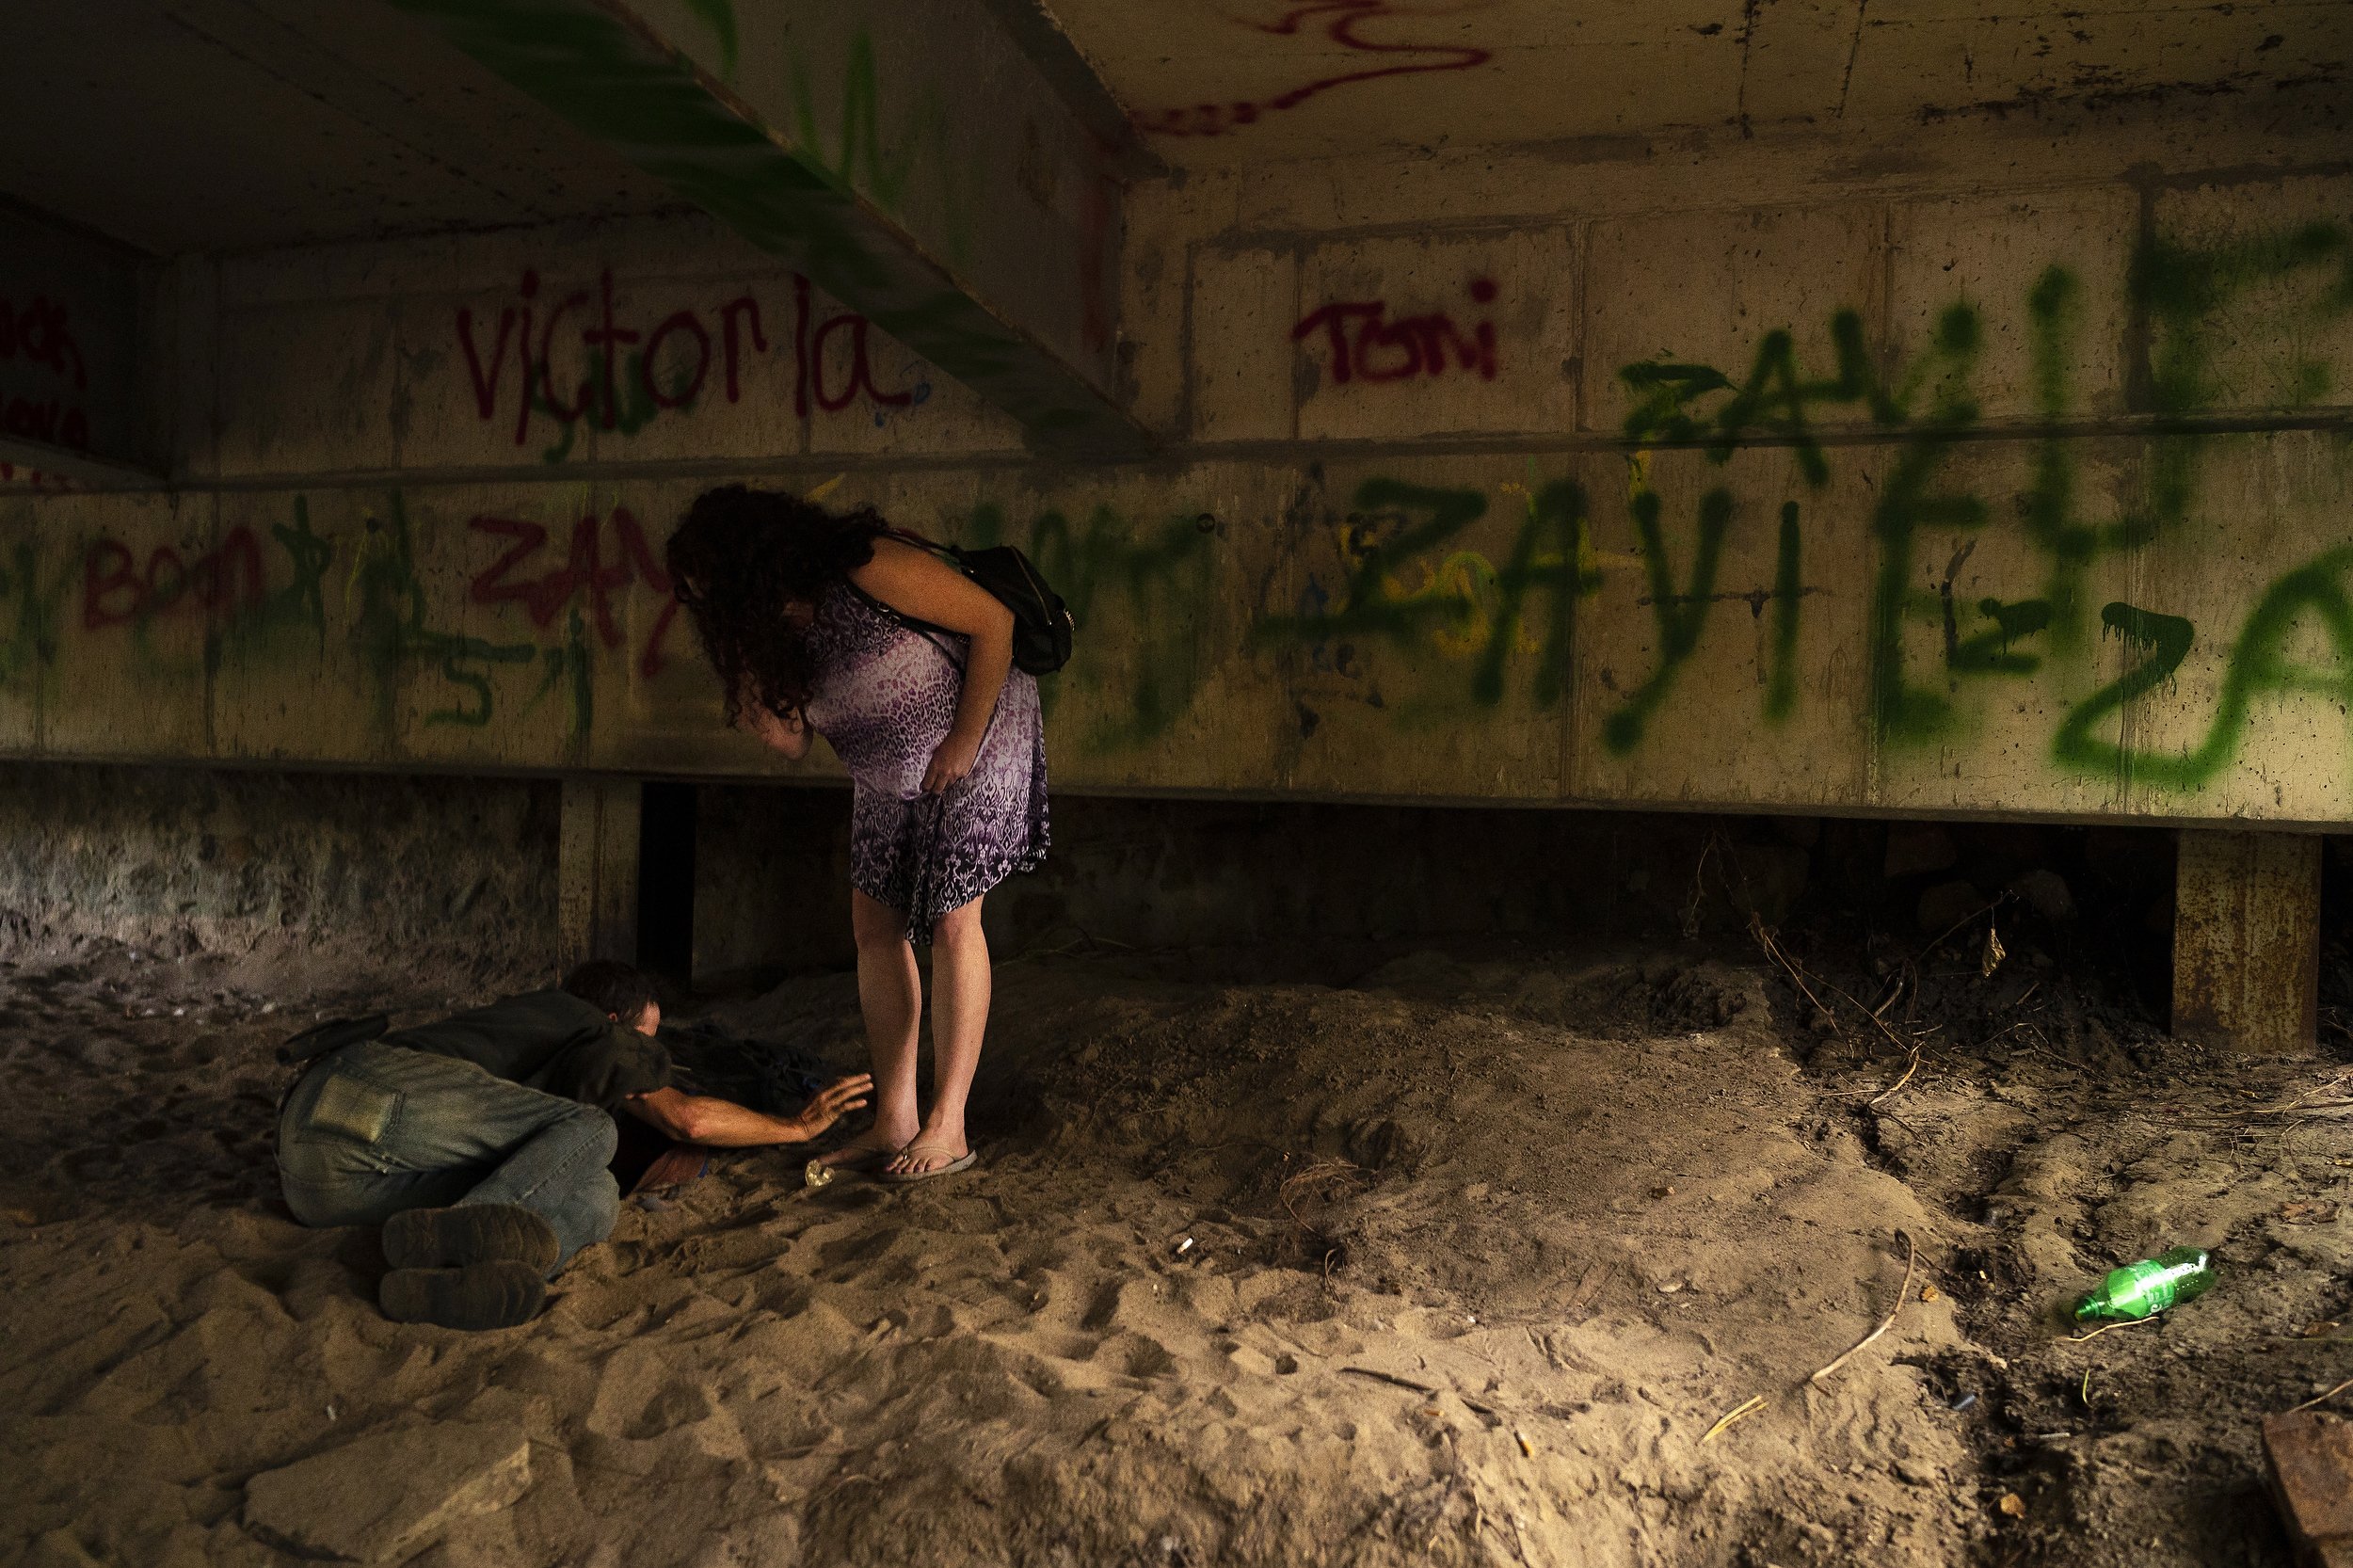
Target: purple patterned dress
884,698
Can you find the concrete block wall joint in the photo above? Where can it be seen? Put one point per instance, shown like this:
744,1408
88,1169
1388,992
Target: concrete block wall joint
597,870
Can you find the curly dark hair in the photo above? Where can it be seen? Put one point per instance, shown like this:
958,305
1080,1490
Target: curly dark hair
738,558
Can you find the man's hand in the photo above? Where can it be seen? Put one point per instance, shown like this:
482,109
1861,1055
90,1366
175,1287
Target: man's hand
831,1103
723,1123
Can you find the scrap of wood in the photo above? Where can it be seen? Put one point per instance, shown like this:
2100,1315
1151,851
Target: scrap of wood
2309,1467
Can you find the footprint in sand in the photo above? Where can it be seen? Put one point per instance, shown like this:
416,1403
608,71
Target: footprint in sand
680,1405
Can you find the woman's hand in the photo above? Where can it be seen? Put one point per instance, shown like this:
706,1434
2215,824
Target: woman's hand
950,762
831,1103
915,583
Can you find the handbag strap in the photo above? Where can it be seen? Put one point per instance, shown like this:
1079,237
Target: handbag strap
907,536
923,629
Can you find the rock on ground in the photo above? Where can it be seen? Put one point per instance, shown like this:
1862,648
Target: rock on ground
387,1496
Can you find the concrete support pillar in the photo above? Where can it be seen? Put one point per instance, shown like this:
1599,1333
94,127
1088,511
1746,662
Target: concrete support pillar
2247,940
596,898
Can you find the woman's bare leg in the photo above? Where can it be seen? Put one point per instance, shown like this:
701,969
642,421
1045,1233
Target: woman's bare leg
960,994
890,995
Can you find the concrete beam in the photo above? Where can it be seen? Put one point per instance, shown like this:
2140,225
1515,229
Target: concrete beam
596,898
913,162
2247,940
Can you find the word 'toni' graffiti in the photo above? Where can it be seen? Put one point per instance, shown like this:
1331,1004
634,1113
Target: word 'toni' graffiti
1399,349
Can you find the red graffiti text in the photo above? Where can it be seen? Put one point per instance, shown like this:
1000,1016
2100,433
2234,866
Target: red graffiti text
222,584
37,334
1365,343
1342,17
625,372
584,571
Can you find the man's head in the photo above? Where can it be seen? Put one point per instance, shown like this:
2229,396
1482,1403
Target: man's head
622,992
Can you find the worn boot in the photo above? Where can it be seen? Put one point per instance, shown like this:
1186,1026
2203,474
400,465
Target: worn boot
470,1233
499,1294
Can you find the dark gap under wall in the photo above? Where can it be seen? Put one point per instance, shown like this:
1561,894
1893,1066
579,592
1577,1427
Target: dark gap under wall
665,881
773,896
746,882
2336,943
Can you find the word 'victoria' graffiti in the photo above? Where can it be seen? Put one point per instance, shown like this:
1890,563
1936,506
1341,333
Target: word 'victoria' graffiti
623,373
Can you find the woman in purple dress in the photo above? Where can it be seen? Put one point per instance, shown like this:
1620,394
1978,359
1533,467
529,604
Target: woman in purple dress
824,623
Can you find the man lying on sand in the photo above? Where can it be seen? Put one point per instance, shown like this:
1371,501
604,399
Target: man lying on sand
480,1142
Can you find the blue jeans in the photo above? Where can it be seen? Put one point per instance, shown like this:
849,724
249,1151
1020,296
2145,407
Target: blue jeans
373,1129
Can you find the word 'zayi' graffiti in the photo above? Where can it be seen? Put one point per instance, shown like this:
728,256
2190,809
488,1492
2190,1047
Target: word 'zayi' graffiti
1409,580
1399,348
578,359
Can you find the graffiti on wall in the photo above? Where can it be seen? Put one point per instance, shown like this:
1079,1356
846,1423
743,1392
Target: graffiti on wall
1407,580
575,359
1362,342
356,599
1909,584
52,381
1342,23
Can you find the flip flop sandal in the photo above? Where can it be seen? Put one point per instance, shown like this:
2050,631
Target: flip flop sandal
865,1160
902,1178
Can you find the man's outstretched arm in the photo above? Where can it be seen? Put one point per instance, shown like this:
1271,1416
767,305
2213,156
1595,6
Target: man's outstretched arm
723,1123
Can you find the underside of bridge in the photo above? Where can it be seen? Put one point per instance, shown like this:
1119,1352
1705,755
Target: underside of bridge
1845,500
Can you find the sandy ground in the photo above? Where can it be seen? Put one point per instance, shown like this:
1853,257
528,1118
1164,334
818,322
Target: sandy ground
1480,1252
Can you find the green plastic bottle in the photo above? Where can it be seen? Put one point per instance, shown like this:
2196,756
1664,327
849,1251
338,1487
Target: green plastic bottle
2144,1289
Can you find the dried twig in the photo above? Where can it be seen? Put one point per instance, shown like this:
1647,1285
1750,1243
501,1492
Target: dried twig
2111,1328
1999,899
1322,1171
2320,1399
1903,1293
1891,1089
1691,921
1763,935
1749,1406
1390,1379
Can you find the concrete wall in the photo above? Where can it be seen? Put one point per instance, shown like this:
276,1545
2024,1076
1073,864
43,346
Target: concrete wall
1999,472
454,874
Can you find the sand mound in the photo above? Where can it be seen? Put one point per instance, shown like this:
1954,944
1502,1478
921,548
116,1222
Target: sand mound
1460,1263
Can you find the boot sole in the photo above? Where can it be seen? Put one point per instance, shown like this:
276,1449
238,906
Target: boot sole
500,1294
469,1233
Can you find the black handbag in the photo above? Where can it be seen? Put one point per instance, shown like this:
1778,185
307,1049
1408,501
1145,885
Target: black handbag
1042,626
